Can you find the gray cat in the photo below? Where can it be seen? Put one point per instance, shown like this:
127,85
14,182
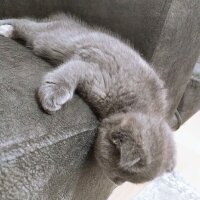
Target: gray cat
134,142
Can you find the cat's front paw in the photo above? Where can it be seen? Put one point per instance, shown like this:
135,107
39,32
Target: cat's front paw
6,30
53,95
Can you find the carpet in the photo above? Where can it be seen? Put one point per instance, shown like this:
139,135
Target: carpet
171,186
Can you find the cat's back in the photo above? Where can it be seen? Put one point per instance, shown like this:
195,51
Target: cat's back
65,27
97,41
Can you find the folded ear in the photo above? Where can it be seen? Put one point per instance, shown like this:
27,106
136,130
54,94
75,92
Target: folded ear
128,153
128,157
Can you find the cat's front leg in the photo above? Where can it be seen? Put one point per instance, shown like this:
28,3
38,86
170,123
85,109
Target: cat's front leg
59,85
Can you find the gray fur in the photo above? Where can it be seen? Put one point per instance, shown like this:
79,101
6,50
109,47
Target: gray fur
134,142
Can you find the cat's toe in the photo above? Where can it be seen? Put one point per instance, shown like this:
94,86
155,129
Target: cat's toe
52,96
6,30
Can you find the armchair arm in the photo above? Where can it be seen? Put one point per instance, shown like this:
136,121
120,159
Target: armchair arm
43,156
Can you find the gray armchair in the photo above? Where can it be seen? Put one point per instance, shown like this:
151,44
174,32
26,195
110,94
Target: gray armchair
50,157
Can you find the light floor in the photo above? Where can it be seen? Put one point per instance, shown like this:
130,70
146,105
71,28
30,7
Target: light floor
188,162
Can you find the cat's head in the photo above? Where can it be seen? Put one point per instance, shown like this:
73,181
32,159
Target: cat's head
134,147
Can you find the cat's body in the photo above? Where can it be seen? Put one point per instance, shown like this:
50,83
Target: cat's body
134,141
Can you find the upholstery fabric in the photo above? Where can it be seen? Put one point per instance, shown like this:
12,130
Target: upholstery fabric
41,156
